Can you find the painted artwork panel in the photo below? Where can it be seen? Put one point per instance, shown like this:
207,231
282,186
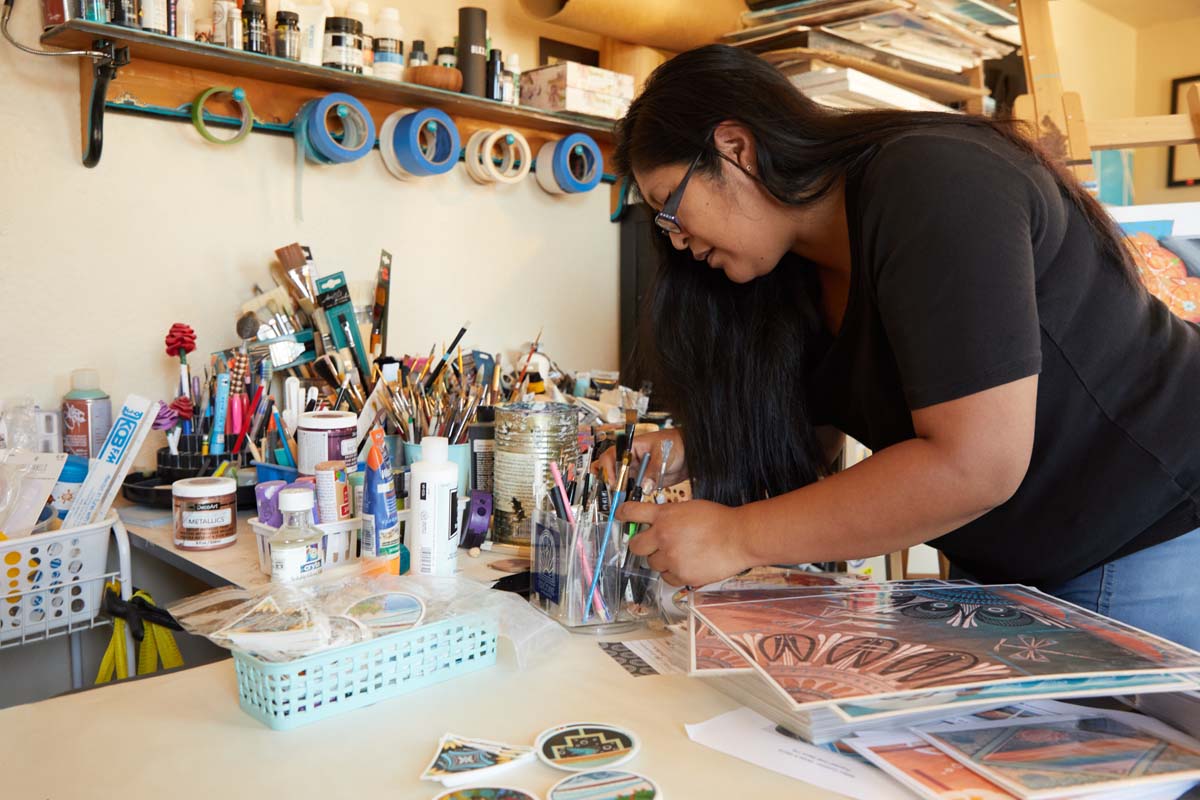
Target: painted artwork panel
1055,757
853,644
926,770
1025,690
710,653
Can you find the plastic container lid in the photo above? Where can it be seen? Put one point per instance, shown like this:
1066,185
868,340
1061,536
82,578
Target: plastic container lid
485,414
329,420
287,18
296,500
74,471
204,487
358,10
85,380
435,449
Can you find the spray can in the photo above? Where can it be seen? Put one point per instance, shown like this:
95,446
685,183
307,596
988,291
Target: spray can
433,498
87,414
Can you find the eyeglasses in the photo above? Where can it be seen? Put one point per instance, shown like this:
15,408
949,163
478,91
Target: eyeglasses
667,219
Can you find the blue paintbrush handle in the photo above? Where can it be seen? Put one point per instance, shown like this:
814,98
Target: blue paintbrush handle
612,515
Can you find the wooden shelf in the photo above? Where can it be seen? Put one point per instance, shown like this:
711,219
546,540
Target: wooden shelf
168,73
933,88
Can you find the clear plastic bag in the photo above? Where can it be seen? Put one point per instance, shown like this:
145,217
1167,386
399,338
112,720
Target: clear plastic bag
283,622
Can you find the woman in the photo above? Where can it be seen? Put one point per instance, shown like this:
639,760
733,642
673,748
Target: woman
933,286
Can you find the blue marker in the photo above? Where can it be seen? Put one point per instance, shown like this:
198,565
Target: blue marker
216,439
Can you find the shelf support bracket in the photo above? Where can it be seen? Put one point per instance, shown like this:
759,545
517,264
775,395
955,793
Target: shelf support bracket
94,77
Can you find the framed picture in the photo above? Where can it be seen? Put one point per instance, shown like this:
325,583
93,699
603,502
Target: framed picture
552,51
1183,161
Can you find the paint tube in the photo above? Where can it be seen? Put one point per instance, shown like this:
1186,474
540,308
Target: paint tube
380,522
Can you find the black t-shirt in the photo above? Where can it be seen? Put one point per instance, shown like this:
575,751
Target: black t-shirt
971,269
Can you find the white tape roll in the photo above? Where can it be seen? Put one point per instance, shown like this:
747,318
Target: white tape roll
545,168
473,155
386,132
516,158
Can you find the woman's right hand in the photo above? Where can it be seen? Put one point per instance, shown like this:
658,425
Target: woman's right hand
651,443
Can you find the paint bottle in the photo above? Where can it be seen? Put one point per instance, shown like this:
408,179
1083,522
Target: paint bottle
70,481
359,10
418,57
185,23
296,551
326,436
220,20
495,69
481,435
233,27
87,414
380,537
388,45
154,16
343,45
433,498
254,28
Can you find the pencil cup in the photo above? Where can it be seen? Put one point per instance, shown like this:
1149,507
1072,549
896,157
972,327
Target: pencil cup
460,455
565,561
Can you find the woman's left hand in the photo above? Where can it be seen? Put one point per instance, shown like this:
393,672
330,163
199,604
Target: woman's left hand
692,543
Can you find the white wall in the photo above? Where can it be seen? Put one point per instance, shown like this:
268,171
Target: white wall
95,265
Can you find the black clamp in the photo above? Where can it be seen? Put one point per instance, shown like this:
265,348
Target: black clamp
103,71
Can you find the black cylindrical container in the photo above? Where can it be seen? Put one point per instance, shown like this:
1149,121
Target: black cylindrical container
495,73
481,435
472,50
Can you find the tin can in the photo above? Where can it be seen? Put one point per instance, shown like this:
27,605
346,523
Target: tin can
528,437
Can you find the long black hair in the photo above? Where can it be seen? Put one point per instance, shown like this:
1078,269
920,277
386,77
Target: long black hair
730,361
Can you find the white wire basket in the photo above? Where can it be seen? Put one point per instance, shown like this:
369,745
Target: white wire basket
54,582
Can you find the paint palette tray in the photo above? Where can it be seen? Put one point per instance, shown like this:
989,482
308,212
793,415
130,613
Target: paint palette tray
151,489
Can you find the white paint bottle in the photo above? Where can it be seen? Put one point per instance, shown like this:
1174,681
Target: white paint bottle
433,521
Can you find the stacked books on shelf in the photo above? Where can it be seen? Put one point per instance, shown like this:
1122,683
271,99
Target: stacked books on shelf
940,666
927,47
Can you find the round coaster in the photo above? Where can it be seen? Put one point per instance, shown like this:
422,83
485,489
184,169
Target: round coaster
387,612
487,793
586,746
605,784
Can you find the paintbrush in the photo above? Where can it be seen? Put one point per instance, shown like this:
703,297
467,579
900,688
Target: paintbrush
383,288
520,380
622,475
446,355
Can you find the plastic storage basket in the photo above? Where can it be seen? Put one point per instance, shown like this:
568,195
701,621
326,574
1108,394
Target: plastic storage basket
340,542
294,693
53,581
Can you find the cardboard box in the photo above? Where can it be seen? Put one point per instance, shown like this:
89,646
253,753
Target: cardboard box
577,88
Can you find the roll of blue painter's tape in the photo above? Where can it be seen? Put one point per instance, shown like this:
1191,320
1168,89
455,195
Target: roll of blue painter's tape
406,143
358,136
592,161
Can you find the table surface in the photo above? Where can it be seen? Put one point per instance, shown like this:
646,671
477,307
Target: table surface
189,738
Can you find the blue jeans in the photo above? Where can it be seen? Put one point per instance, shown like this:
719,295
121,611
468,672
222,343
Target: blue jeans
1156,589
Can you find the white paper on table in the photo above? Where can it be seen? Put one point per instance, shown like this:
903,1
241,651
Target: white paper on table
666,655
751,737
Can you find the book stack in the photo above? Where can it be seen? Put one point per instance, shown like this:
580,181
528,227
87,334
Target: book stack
928,47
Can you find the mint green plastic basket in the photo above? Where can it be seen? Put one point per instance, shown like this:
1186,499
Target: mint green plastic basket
288,695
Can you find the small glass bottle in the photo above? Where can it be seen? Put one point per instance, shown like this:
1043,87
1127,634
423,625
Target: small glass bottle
287,35
254,28
493,88
126,13
446,57
418,57
296,552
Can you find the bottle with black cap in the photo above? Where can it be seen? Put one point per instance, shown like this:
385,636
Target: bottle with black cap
418,57
495,76
254,27
472,50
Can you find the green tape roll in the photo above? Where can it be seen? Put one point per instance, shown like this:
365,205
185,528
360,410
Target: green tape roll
239,97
